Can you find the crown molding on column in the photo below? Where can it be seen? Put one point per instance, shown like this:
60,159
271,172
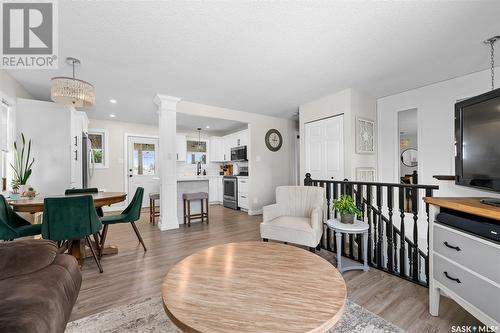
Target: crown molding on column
166,102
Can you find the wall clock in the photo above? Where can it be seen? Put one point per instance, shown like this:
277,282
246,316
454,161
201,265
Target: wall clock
274,140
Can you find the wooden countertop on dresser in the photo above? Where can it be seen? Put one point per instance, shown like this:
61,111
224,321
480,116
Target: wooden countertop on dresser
468,205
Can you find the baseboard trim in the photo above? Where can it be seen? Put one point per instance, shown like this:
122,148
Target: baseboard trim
255,212
113,208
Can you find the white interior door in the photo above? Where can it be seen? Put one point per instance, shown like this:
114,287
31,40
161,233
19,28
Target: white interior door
143,167
334,147
324,148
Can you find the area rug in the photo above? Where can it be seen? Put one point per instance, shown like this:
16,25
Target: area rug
149,316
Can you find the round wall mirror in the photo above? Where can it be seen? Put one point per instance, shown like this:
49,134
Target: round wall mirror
409,157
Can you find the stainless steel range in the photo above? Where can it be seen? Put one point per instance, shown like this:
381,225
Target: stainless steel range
230,199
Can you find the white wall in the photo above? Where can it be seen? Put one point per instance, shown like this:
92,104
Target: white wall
10,90
112,178
10,87
435,104
351,104
267,169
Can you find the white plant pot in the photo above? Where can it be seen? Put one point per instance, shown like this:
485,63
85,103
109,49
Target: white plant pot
23,188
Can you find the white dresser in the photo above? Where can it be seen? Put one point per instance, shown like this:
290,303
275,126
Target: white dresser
463,266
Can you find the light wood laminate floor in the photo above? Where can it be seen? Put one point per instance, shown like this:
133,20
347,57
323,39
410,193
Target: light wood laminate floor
134,275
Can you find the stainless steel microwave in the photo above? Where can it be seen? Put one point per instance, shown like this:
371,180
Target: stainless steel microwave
239,154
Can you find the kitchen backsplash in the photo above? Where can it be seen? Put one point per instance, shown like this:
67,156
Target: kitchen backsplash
213,169
184,169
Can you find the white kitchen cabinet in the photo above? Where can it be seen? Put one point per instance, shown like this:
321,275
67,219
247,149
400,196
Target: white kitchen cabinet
78,125
229,142
215,190
216,149
242,138
181,147
220,189
243,193
212,190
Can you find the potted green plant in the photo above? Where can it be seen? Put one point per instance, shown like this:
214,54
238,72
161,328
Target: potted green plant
22,165
346,206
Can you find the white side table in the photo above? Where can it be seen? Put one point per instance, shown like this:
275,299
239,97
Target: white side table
358,227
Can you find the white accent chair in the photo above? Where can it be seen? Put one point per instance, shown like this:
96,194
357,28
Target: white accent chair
296,217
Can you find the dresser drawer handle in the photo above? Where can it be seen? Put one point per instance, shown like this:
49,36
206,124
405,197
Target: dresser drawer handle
451,246
451,278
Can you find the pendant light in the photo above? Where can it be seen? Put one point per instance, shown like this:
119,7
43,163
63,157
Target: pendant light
491,42
199,139
71,91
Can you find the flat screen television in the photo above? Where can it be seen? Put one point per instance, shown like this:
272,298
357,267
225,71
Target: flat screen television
477,134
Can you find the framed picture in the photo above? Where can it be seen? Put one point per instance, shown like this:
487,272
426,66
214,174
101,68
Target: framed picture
365,136
366,174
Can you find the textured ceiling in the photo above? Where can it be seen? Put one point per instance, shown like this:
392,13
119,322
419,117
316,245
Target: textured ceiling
263,56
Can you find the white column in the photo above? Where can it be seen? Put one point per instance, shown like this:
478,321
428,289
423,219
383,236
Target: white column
167,107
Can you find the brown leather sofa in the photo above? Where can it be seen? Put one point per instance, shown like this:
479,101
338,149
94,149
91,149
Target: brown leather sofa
38,287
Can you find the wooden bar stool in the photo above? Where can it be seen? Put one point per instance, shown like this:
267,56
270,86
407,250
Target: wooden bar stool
153,212
188,197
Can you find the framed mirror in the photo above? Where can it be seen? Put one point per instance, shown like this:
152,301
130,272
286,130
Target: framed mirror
409,157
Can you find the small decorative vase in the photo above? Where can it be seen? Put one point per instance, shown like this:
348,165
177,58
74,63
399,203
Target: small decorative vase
347,218
23,188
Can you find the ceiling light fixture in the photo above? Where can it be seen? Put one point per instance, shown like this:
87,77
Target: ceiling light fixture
207,127
199,138
491,42
112,116
71,91
113,101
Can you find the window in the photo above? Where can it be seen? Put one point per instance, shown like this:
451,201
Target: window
99,147
196,152
144,159
5,130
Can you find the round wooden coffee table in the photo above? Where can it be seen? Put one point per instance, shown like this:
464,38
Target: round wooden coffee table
254,287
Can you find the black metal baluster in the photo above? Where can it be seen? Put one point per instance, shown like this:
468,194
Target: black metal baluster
360,205
428,193
370,227
335,196
308,180
389,230
328,215
380,228
402,258
395,242
414,208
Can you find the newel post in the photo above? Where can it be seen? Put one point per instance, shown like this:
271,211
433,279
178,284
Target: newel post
308,180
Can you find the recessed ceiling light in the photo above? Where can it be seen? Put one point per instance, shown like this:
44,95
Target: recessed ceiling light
113,101
207,126
112,116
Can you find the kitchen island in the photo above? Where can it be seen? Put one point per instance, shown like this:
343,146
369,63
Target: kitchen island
190,185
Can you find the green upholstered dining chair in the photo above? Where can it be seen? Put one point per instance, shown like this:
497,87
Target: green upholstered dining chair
85,191
131,214
12,225
66,219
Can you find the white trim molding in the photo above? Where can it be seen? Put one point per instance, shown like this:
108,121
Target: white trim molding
167,123
105,148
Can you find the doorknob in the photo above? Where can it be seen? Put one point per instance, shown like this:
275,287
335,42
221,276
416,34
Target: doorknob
130,176
130,170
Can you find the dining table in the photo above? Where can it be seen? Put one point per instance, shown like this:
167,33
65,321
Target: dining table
78,249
